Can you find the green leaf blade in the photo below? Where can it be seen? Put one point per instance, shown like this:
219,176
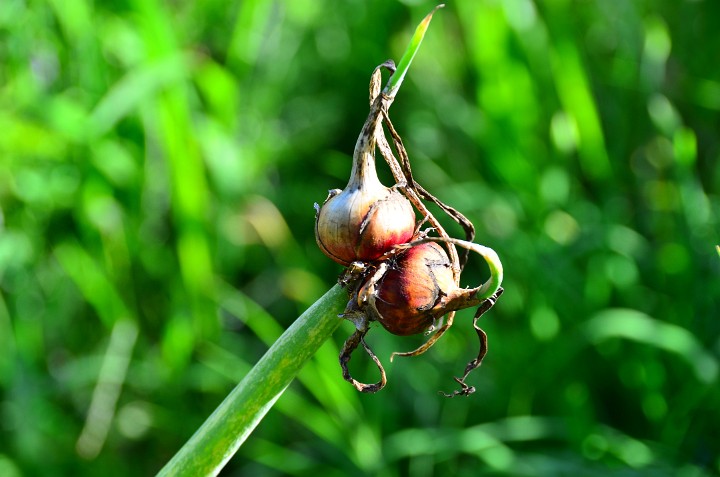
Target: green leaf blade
222,434
397,78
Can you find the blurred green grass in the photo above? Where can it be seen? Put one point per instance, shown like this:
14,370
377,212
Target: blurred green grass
158,166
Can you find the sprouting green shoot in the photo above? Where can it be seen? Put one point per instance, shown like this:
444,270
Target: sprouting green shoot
397,78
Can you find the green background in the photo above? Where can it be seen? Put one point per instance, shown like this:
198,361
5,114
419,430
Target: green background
159,162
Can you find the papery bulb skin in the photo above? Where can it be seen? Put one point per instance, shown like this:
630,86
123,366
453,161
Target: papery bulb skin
366,219
410,293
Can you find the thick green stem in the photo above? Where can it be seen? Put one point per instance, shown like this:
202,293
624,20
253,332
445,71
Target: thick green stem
217,440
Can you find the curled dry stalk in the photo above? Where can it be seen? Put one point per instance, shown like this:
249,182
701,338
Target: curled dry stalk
485,295
414,192
402,173
407,184
466,390
346,353
419,191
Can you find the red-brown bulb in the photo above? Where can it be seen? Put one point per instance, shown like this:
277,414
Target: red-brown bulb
410,293
366,219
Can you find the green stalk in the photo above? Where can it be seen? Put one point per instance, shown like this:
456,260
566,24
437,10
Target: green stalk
222,434
402,67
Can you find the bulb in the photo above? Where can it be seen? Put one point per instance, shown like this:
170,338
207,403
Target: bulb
410,296
366,219
416,286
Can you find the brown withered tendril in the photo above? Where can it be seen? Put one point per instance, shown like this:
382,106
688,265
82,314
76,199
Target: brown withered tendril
402,173
482,336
